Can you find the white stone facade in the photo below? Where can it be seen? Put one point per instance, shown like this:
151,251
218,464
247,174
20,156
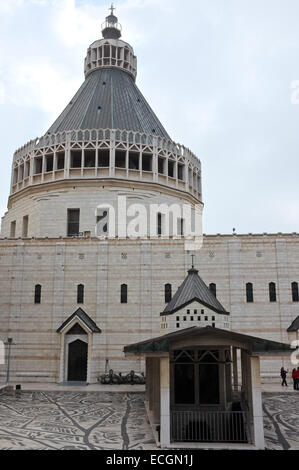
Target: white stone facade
59,265
81,168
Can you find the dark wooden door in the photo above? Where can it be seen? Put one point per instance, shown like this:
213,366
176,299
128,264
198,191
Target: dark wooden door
77,361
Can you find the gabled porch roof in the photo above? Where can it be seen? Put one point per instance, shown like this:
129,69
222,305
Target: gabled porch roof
81,315
162,344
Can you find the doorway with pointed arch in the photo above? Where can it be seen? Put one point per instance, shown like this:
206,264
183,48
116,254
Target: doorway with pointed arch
77,354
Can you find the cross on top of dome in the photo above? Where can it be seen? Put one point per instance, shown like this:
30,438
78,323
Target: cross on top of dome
111,29
112,8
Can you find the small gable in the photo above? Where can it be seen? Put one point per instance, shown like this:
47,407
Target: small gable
194,289
81,315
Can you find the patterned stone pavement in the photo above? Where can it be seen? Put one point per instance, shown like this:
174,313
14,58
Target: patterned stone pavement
111,421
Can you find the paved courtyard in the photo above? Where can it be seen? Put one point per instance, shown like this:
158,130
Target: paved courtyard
103,420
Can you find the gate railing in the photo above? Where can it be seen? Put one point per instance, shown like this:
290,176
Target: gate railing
210,426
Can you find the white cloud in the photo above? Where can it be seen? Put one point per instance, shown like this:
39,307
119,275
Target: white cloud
41,85
2,93
74,24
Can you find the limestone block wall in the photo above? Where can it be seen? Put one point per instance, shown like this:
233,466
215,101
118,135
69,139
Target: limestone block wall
59,265
47,210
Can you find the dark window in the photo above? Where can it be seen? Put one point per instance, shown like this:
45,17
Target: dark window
76,158
180,227
213,289
147,162
168,293
49,163
209,384
124,294
134,161
249,292
120,159
170,168
180,172
25,226
184,384
37,294
38,167
104,158
159,224
89,158
13,229
73,219
80,294
295,292
60,161
272,292
161,164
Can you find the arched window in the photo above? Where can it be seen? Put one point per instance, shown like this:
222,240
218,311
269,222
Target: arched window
272,292
249,292
295,292
213,289
80,294
124,294
37,294
168,293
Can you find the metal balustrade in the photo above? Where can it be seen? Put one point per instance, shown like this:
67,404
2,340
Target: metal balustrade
210,426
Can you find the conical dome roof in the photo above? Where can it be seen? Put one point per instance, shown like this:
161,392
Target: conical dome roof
109,99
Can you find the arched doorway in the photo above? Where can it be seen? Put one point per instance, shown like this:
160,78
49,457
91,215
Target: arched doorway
77,361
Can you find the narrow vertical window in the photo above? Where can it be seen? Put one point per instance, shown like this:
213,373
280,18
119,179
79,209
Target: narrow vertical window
13,229
295,292
80,294
159,224
25,226
168,293
213,289
124,294
37,294
249,292
181,227
73,220
272,292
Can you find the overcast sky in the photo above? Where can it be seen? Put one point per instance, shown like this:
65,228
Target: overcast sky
218,73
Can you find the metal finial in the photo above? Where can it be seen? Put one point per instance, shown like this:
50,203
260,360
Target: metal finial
192,256
112,8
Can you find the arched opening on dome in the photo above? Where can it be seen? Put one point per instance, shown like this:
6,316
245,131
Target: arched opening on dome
89,158
147,162
104,158
60,160
120,159
171,168
134,160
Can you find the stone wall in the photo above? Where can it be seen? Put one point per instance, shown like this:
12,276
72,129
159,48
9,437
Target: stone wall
59,265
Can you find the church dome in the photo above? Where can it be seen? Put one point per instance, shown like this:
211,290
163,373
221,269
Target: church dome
109,97
107,138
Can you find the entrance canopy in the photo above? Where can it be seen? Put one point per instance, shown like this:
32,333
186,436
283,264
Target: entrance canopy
83,318
215,336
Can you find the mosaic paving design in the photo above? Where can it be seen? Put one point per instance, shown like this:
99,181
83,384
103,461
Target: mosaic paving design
100,420
281,420
74,420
